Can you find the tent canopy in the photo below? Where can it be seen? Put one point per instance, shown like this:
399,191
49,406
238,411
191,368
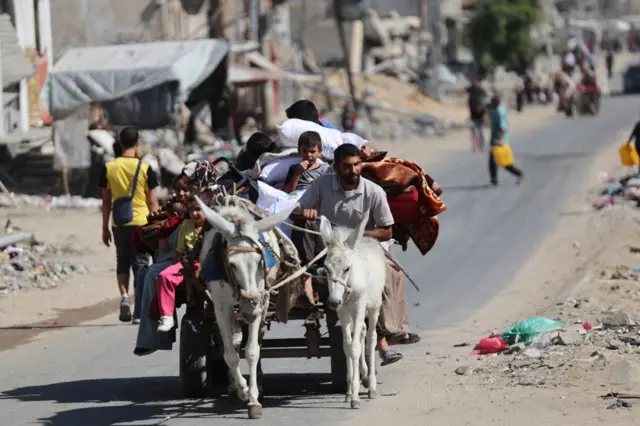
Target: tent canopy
122,72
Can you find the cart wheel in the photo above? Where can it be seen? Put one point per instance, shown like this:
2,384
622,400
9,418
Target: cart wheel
338,360
217,372
193,356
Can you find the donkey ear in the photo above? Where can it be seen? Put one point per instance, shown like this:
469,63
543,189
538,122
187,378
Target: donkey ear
270,222
325,230
357,233
226,228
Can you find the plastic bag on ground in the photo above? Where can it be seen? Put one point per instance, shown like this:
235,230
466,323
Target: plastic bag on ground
490,345
527,329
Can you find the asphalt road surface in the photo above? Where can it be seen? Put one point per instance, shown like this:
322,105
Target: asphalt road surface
87,375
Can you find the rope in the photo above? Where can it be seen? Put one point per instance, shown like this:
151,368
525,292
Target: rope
386,252
297,228
252,208
299,272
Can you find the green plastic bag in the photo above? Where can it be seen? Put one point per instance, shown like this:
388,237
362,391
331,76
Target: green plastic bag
526,330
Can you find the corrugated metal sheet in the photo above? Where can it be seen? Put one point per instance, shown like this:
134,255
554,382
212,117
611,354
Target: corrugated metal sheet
15,65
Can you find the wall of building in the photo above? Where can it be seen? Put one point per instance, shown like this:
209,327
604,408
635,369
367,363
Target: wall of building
77,23
449,8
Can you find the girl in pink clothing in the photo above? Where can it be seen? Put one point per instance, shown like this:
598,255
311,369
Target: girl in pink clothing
171,277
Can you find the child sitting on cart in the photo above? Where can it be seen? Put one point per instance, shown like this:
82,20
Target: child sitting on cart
300,177
170,278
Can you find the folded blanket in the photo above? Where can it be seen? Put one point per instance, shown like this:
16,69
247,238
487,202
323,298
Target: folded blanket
395,175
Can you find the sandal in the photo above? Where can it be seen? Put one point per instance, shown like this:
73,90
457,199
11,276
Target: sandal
389,357
409,339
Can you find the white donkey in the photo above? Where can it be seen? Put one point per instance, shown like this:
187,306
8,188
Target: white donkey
245,265
356,273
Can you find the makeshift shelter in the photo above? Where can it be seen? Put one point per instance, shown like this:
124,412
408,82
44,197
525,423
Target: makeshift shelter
136,84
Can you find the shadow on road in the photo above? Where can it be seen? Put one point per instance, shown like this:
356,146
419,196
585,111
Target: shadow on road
156,399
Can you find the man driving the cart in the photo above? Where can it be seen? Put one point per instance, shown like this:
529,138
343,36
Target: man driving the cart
344,197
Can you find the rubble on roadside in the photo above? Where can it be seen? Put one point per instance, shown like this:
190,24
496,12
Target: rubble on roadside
594,337
29,264
50,202
619,190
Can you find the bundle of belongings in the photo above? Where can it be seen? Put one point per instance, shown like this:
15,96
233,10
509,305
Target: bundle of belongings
269,162
414,199
413,195
145,238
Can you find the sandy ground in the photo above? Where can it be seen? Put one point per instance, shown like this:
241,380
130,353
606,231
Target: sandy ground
83,227
573,263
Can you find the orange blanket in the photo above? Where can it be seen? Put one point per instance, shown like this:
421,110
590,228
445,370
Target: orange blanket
396,174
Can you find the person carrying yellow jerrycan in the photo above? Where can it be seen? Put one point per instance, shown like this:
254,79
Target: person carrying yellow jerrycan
500,154
629,155
503,155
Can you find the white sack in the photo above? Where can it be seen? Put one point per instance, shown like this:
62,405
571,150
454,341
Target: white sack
290,131
274,201
354,139
275,172
170,161
103,139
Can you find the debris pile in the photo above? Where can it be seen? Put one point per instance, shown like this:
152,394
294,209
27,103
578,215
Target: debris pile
618,191
393,43
26,263
585,335
51,202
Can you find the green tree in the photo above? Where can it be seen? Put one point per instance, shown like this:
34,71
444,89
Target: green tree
499,33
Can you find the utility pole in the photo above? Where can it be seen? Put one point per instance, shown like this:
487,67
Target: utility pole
435,21
337,12
423,48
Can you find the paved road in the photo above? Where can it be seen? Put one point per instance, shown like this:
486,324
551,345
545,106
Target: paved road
88,376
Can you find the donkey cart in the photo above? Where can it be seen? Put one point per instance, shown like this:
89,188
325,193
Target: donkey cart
203,370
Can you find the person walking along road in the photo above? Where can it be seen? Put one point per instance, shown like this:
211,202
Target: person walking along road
610,61
635,138
128,193
499,135
477,112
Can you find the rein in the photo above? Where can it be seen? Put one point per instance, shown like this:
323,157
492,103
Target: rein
256,247
386,252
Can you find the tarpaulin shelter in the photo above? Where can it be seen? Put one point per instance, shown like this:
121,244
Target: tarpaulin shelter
142,85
